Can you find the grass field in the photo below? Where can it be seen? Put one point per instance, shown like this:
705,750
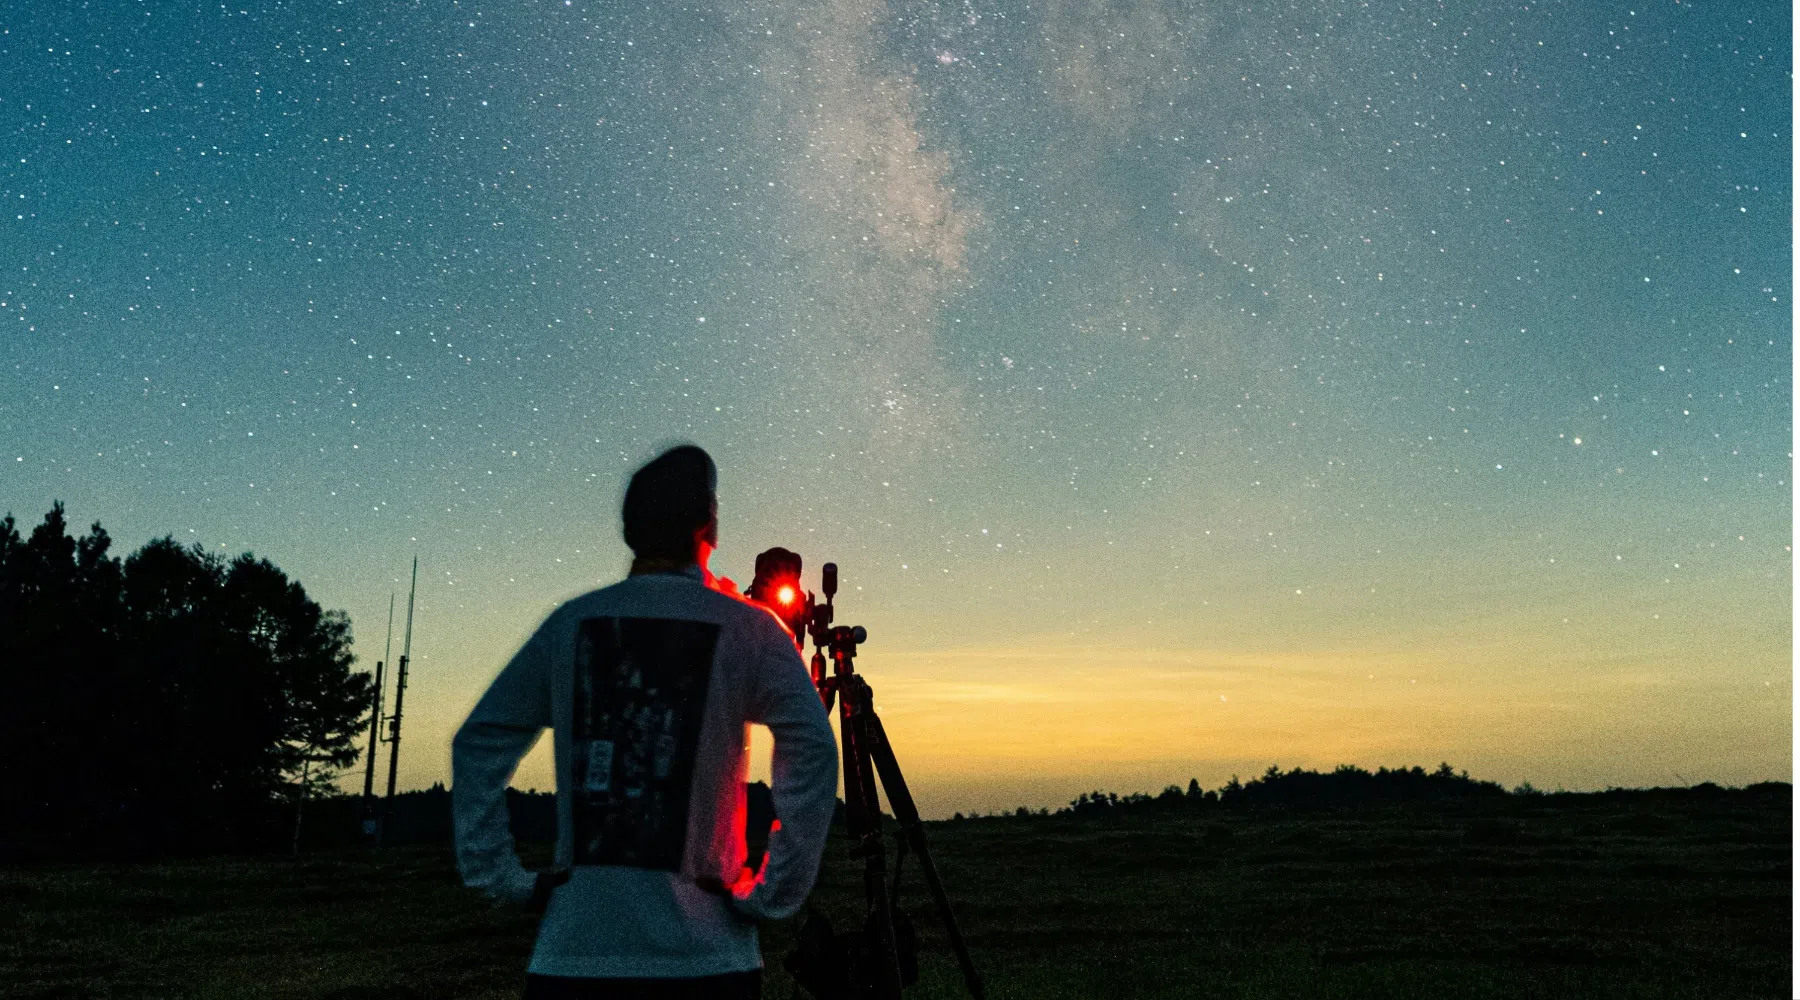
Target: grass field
1578,896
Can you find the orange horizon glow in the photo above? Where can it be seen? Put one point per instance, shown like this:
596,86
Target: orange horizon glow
984,729
1567,673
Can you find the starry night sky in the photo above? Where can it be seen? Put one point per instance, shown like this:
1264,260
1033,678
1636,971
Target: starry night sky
1182,388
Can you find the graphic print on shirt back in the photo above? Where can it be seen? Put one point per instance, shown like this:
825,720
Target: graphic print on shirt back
640,692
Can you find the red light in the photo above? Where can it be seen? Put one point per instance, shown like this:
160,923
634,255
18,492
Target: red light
785,595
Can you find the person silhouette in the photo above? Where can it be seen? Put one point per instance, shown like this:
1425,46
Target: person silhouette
648,686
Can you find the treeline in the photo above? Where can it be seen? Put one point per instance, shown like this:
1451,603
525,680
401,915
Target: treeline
334,822
1344,786
168,701
1348,786
425,817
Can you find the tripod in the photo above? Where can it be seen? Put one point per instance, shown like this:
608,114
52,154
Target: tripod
868,756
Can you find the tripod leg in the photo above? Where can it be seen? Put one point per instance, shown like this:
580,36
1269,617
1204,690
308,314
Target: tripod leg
914,831
862,813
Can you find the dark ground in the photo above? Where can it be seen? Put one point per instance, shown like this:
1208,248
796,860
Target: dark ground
1635,895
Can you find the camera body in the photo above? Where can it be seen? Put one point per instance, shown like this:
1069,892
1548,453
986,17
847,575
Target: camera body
777,588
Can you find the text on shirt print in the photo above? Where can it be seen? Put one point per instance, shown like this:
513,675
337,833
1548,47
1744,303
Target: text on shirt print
640,693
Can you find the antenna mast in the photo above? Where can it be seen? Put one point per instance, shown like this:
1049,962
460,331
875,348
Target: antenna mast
369,820
399,697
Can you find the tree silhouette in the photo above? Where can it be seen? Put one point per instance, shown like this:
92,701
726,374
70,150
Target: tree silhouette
165,702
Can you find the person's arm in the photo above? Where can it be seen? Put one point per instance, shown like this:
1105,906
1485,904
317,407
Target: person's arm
486,751
804,783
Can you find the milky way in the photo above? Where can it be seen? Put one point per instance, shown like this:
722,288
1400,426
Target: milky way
1182,388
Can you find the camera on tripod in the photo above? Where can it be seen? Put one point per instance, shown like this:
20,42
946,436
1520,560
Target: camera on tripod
777,587
883,958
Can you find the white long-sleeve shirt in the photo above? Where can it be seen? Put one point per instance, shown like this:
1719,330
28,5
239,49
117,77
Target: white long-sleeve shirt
649,686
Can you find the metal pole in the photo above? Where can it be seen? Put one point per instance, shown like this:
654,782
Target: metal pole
399,697
375,720
374,734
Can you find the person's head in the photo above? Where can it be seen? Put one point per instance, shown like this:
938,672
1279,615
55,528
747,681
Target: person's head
671,507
